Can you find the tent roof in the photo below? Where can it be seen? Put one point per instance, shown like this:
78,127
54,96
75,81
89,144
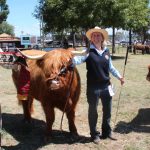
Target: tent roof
8,38
5,35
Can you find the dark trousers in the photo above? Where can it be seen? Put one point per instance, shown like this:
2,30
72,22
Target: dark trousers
94,93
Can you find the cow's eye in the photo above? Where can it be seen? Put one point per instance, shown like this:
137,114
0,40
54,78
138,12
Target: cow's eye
63,70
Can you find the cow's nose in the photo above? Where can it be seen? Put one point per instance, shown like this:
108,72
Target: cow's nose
54,84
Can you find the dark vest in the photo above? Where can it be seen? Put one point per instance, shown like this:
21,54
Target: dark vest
98,67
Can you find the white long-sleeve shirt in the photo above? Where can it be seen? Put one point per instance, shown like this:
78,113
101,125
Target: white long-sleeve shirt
81,59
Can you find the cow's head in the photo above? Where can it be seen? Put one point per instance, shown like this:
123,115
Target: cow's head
57,67
148,75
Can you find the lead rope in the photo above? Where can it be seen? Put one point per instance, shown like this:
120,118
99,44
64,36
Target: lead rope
68,94
118,104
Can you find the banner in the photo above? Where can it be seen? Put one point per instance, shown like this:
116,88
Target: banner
7,59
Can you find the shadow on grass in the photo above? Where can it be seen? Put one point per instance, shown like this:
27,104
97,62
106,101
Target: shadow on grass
117,57
141,123
31,136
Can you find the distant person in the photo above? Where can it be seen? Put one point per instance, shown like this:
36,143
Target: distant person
145,42
6,49
10,58
135,42
65,43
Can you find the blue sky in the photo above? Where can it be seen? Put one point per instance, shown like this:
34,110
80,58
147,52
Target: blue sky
21,17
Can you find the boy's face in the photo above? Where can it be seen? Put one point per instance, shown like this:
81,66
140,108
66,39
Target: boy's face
97,37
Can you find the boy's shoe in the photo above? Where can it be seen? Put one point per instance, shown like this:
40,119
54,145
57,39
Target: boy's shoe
96,139
108,136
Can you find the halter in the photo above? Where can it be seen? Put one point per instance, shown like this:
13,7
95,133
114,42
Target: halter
55,80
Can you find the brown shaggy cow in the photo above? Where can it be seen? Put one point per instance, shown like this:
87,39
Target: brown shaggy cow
56,84
139,47
148,75
147,49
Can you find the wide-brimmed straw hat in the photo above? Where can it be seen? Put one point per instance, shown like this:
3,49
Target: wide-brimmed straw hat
97,29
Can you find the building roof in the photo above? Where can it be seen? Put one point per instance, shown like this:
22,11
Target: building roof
8,38
5,35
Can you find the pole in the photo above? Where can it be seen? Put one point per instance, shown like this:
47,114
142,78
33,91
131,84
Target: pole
42,32
118,104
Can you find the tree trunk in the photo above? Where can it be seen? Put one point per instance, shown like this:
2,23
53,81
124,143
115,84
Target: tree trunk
130,41
74,40
145,37
113,41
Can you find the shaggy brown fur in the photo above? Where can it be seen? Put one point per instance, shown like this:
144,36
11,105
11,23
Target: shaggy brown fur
42,73
139,47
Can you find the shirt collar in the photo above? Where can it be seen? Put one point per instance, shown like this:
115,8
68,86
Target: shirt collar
92,46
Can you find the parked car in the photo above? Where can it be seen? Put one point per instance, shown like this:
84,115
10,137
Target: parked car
124,43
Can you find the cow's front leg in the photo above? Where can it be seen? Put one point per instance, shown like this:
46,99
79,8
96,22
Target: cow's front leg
27,106
71,121
50,117
72,127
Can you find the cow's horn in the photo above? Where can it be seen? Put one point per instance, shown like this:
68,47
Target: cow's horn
34,57
31,56
78,53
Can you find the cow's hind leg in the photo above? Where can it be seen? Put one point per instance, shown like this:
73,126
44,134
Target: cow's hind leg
74,136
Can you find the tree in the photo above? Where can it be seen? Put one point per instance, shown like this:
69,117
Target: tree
137,16
62,14
113,16
6,28
143,31
69,15
3,11
80,15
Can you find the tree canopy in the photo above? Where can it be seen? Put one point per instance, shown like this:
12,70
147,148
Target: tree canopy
137,12
3,10
6,28
60,15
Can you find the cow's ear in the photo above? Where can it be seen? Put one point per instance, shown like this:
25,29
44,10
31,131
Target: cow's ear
40,63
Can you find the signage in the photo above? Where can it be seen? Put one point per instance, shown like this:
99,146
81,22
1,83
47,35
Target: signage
28,40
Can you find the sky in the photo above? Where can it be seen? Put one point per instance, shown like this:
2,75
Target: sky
21,17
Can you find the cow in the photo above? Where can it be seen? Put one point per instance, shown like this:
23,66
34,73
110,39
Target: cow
55,82
147,49
139,47
148,75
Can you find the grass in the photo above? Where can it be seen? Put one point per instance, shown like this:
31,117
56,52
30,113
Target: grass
132,126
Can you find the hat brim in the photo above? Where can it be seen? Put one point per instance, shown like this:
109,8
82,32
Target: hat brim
90,31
